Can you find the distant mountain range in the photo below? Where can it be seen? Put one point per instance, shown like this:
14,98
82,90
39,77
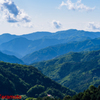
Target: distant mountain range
22,45
60,49
41,46
70,35
9,58
7,37
74,70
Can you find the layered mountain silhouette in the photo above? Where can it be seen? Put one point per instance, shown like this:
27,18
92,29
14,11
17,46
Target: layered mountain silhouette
57,50
7,37
39,46
39,40
9,58
23,46
70,35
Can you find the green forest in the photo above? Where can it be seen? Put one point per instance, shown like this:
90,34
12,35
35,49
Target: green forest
82,69
29,81
92,93
31,84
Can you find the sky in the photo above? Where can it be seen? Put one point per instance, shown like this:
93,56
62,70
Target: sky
28,16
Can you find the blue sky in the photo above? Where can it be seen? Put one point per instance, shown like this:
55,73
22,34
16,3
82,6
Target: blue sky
27,16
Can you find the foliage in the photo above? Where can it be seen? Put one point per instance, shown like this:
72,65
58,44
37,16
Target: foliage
92,93
30,98
27,80
82,69
67,97
35,90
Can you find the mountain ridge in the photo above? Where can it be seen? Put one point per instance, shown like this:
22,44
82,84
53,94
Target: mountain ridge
82,69
9,58
54,51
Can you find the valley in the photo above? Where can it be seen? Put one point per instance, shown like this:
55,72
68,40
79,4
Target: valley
64,57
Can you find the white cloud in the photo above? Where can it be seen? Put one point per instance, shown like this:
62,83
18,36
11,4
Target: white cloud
56,24
75,6
26,25
93,26
12,13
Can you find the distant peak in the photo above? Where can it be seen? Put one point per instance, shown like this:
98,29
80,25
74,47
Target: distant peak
6,34
72,30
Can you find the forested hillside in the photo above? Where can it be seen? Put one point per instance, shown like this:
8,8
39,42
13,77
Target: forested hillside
27,80
92,93
82,69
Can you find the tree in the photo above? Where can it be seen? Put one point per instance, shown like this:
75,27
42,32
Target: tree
35,90
67,97
86,96
92,88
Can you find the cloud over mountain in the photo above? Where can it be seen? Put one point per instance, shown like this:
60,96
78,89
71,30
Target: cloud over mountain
75,6
12,13
93,26
56,24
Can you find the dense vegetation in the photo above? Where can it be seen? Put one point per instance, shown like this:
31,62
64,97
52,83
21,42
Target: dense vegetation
22,79
82,69
92,93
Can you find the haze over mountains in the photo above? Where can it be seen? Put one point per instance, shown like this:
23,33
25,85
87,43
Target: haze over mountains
72,61
6,37
9,58
23,46
60,49
34,44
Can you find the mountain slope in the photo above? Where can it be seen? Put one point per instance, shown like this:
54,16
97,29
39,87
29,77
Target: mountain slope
11,59
7,37
11,53
57,50
17,45
22,79
82,69
23,46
